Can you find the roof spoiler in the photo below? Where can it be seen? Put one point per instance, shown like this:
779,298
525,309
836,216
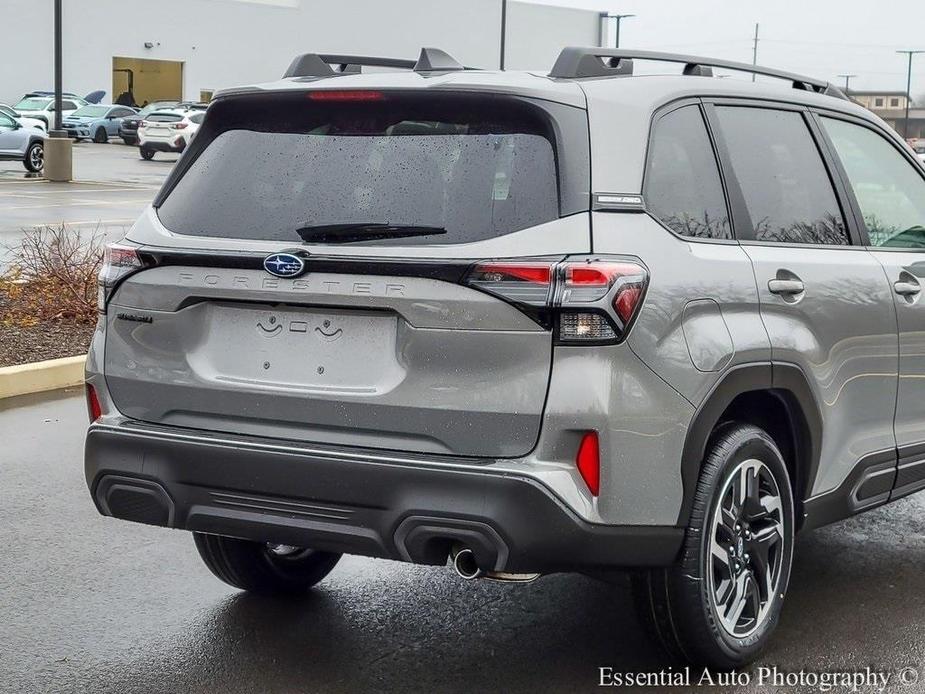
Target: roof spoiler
327,65
575,63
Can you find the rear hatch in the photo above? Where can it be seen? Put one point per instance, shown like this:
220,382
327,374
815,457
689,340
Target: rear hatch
311,279
160,125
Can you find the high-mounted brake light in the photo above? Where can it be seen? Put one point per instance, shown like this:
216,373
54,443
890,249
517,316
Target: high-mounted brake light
588,461
345,95
119,261
591,300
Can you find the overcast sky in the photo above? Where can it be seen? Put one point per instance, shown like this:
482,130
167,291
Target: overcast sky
821,38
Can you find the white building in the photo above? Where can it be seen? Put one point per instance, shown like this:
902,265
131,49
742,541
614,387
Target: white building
188,48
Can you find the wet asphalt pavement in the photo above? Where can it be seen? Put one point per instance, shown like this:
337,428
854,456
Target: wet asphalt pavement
112,186
90,604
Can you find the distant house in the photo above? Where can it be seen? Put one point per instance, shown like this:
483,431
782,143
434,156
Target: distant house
891,107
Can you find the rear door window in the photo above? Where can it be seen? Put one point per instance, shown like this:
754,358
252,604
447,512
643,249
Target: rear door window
458,169
682,186
786,187
889,189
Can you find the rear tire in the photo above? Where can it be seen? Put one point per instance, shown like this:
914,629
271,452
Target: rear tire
100,136
34,159
146,154
719,604
263,568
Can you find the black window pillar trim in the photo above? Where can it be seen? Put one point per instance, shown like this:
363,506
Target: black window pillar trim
742,228
857,230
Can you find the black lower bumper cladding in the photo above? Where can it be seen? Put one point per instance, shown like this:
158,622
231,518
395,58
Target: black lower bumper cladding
353,501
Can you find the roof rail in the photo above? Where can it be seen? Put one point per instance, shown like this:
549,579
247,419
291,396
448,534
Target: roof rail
575,62
327,65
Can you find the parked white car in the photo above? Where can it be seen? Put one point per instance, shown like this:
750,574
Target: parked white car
21,143
167,131
42,108
23,121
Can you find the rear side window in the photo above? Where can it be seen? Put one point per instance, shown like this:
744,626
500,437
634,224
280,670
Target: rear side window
682,186
458,169
785,184
889,190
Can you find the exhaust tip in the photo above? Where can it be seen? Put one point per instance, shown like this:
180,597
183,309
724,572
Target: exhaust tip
465,565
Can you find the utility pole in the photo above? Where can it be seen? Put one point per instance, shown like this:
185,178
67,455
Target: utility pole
619,18
847,81
503,29
908,89
755,50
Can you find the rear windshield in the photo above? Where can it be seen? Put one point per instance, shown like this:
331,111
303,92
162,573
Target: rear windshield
164,118
464,168
93,111
32,104
156,105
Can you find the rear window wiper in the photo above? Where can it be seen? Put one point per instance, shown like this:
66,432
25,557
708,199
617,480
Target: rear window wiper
350,233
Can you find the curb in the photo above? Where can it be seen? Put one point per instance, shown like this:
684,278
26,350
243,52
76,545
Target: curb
40,376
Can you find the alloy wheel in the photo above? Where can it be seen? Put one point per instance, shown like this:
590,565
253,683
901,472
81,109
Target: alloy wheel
37,157
747,546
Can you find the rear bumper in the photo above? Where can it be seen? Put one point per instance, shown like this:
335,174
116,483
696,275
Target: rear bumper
353,501
162,146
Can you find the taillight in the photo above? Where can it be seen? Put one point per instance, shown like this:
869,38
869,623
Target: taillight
94,411
179,126
588,301
519,282
119,261
143,124
588,462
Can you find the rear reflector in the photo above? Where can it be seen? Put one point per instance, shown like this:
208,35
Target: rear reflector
588,462
93,404
345,95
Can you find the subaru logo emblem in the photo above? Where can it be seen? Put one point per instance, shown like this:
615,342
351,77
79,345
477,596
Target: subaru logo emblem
284,265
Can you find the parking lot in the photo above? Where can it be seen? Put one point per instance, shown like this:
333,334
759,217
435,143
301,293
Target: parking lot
96,605
112,186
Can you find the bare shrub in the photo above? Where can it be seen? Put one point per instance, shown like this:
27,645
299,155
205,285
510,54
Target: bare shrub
53,275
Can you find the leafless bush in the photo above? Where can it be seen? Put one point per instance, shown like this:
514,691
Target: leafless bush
52,275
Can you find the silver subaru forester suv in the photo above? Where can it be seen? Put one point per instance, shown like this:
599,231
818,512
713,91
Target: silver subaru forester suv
523,323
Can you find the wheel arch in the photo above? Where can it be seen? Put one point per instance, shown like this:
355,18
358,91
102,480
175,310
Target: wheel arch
776,396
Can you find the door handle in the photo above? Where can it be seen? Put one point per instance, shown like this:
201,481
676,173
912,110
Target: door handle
785,286
907,288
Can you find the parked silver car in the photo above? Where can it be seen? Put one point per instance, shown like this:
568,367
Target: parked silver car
581,321
21,143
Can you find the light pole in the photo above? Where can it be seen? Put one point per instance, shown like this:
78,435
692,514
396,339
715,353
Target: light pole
908,89
503,29
58,165
619,18
847,81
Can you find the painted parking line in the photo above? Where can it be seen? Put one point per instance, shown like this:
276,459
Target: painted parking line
59,186
84,223
83,203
